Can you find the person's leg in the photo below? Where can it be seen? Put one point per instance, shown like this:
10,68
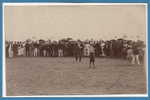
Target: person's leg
44,53
9,53
31,52
129,57
36,52
26,52
53,53
93,63
80,57
137,59
103,54
133,59
59,53
62,53
90,63
47,53
76,58
40,52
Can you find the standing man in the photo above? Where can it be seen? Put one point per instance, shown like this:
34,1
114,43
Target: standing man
92,56
78,51
136,54
15,49
27,46
60,49
86,50
130,55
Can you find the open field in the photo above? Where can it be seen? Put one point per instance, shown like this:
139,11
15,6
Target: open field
59,76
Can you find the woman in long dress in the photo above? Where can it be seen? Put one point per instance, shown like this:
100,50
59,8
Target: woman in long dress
10,51
19,51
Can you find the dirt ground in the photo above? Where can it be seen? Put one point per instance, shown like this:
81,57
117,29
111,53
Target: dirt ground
59,76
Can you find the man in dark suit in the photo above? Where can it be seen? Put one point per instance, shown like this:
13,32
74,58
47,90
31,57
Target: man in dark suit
78,49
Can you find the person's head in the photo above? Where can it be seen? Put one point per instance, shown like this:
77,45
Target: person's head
91,43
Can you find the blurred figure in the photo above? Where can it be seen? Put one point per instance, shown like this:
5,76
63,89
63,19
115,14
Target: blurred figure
27,46
15,49
102,48
78,51
6,48
20,50
136,55
92,56
86,49
31,48
10,50
35,45
60,49
130,55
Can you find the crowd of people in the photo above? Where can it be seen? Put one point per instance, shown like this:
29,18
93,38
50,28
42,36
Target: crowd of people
134,51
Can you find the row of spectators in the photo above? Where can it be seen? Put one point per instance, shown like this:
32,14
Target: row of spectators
67,47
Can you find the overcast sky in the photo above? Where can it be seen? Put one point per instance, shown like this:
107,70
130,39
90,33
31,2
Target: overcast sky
78,22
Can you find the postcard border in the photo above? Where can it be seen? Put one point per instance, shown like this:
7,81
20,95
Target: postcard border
2,44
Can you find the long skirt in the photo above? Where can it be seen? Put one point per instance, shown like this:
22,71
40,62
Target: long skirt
10,53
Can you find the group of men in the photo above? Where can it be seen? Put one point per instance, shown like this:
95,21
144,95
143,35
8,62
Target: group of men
120,48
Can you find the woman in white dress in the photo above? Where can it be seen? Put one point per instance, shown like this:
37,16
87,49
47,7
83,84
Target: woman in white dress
10,51
102,46
21,50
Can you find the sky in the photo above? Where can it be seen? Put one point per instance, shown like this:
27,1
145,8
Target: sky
78,22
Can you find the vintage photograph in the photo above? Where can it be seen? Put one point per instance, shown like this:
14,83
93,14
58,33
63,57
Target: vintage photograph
74,49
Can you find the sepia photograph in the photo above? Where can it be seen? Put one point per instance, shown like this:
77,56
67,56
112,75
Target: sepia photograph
75,49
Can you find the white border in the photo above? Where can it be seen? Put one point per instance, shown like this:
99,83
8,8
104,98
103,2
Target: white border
146,69
72,4
4,59
69,4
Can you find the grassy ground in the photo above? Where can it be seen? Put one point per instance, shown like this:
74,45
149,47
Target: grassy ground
58,76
